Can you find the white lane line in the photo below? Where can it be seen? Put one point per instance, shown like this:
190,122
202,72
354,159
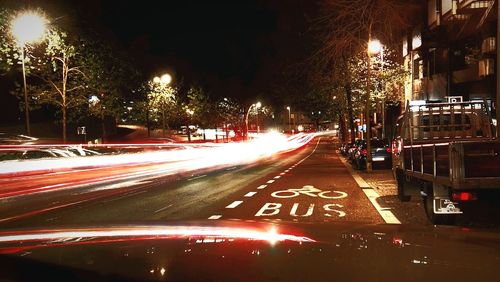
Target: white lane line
277,176
361,182
197,177
250,194
282,173
164,208
262,186
234,204
372,196
386,214
270,181
217,216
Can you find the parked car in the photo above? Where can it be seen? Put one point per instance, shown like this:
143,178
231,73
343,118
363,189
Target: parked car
381,154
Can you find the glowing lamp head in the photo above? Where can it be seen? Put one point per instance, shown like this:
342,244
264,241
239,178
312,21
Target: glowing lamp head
28,27
258,105
156,79
166,79
374,46
288,108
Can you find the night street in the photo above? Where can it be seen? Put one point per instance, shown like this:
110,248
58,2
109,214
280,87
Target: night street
311,184
298,140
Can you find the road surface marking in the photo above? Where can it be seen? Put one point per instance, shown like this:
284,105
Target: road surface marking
387,215
272,209
250,194
277,176
270,181
310,191
282,173
262,186
164,208
197,177
234,204
217,216
359,180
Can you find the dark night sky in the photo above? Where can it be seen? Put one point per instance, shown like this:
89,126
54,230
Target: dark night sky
234,48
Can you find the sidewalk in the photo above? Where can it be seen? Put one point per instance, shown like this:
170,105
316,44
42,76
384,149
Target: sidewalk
383,183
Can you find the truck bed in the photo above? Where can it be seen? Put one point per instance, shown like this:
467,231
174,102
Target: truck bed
456,164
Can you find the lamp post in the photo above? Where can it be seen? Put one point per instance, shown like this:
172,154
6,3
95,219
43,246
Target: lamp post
289,119
189,113
27,27
163,80
256,105
374,47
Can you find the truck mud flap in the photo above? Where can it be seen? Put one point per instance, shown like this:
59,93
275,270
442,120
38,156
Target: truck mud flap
446,206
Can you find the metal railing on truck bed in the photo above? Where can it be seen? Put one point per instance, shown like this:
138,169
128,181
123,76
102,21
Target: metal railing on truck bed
444,121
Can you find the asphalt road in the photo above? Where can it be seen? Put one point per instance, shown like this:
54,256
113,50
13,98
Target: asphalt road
311,184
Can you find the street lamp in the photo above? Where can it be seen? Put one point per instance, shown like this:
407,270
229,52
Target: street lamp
374,46
162,80
289,119
256,105
27,27
190,113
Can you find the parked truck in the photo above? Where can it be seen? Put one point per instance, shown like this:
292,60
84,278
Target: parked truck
446,153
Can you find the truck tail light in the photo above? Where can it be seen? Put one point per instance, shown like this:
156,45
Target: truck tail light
464,196
389,150
363,152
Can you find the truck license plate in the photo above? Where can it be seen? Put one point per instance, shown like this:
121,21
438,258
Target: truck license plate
378,159
445,206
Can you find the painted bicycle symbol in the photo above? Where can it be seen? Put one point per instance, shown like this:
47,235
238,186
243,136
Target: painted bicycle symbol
310,191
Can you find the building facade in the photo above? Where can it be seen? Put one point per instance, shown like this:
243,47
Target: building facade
452,52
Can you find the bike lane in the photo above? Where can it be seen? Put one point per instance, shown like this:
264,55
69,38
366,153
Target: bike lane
316,188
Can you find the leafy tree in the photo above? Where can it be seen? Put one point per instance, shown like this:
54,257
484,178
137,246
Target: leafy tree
161,102
229,113
61,71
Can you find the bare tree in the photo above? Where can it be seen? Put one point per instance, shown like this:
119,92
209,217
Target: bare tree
343,29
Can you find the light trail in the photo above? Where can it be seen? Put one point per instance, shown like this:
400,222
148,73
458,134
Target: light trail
22,177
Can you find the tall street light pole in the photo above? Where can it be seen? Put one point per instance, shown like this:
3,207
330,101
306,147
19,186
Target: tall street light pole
289,118
373,47
257,105
163,80
27,27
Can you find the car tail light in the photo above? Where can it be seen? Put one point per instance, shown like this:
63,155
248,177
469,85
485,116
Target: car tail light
363,152
388,150
395,148
464,196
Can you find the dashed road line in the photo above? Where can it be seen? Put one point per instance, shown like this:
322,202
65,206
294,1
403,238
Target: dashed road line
262,186
234,204
250,194
164,208
217,216
277,176
270,181
282,173
197,177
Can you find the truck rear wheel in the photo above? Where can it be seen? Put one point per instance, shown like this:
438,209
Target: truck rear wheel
400,179
438,219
